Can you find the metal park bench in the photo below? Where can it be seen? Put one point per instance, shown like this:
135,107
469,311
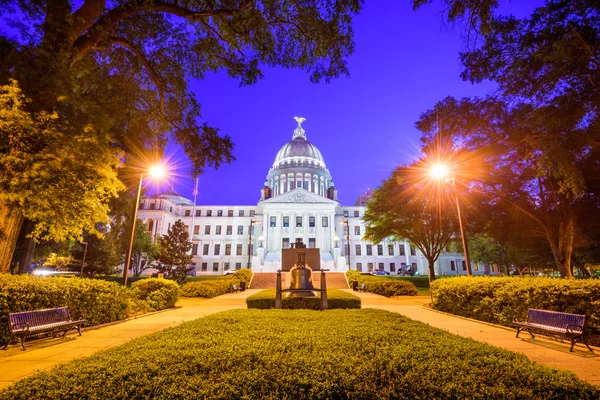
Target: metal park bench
361,288
235,288
33,323
552,323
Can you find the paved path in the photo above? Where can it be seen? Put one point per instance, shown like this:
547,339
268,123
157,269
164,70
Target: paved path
17,364
548,352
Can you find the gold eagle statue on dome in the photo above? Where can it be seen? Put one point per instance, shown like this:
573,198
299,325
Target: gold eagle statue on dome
299,120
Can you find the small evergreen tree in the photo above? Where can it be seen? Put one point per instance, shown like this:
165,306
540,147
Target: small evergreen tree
175,258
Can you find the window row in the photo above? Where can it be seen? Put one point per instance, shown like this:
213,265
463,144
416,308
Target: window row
286,222
219,213
381,267
219,229
356,213
390,250
312,243
215,266
239,249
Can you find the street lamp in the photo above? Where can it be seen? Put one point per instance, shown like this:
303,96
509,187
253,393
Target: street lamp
83,261
345,221
261,239
252,222
440,171
335,240
156,171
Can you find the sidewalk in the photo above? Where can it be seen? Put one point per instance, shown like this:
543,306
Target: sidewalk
548,352
16,364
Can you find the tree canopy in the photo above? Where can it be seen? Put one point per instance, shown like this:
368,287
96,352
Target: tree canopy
174,253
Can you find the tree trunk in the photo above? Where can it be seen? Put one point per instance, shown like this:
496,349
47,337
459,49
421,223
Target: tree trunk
431,264
10,226
27,248
562,244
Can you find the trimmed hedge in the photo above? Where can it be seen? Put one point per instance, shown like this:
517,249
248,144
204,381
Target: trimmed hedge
216,287
501,299
95,300
301,354
160,294
336,298
383,286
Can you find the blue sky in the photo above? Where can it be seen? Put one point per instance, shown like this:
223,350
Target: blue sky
364,125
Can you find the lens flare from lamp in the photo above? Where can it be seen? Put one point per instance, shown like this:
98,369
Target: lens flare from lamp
157,171
439,171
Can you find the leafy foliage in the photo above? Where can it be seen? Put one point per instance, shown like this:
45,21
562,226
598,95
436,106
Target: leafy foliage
502,299
158,293
175,258
539,136
265,300
144,252
343,354
216,287
383,286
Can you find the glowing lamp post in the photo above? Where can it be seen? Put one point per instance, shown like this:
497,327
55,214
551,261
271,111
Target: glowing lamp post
440,171
252,222
345,222
156,171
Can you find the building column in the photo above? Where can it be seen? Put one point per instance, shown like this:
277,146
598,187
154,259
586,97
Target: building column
266,230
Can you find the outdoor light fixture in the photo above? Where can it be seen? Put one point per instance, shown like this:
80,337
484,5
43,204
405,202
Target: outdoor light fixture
345,221
261,239
336,239
156,171
441,171
252,222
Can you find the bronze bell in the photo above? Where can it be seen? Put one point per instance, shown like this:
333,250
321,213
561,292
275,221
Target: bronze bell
301,279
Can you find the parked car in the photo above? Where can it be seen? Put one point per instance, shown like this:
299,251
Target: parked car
380,272
229,272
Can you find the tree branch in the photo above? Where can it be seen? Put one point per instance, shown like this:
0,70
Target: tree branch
85,16
108,21
145,62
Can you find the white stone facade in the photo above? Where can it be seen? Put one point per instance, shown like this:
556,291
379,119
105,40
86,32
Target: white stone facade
298,201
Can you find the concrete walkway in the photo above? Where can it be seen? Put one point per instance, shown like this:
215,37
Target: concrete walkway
42,354
551,353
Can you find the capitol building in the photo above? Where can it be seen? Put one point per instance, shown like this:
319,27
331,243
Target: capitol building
298,201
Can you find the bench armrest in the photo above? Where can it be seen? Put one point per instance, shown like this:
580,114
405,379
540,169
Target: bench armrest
570,327
18,326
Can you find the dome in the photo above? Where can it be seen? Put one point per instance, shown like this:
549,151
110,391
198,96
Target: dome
298,164
299,150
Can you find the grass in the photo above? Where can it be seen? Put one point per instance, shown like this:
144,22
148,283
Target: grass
300,354
336,298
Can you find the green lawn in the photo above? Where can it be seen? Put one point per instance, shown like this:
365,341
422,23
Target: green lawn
299,354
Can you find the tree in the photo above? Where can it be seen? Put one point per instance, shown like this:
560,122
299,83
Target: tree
410,205
116,72
44,177
542,131
175,258
144,251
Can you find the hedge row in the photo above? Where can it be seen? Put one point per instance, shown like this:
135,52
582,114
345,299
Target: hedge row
302,354
216,287
383,286
95,300
500,300
265,300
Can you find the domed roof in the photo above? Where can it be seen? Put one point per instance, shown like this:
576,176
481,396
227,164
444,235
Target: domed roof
299,150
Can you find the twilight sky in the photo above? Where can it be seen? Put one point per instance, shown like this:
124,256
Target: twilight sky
404,62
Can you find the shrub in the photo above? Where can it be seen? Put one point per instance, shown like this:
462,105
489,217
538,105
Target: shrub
95,300
382,285
265,300
158,293
119,278
500,300
216,287
302,354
